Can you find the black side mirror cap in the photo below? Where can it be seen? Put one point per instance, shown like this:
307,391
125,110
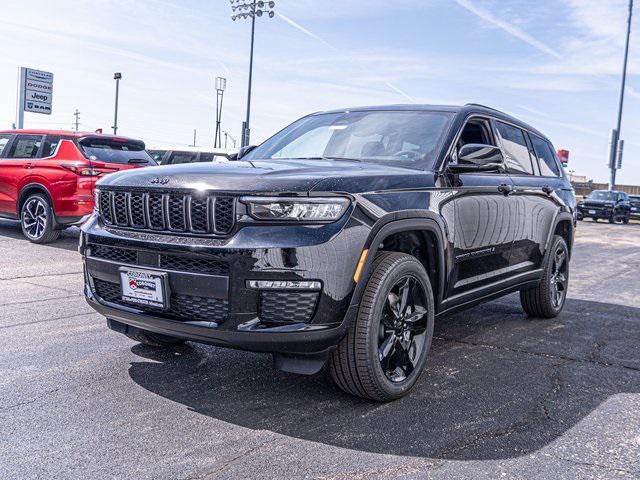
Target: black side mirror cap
477,157
243,151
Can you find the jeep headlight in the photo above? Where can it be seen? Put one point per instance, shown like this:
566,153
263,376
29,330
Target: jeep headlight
296,209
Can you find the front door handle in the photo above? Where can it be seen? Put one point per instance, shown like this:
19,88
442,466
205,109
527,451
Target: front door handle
506,189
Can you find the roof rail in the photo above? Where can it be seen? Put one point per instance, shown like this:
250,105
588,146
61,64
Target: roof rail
483,106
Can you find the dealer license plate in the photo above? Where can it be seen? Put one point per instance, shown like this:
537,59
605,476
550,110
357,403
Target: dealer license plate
592,212
143,287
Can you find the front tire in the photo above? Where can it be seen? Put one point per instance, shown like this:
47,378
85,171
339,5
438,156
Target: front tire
385,349
548,298
37,219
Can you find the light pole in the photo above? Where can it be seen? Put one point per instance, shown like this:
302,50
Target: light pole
116,76
228,135
221,85
616,147
243,9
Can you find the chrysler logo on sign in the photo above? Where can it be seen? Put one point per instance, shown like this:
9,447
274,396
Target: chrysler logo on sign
160,180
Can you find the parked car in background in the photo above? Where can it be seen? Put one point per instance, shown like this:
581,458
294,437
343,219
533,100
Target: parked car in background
634,201
611,205
338,241
47,178
176,155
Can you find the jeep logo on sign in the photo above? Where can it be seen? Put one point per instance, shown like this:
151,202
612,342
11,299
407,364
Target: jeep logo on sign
160,180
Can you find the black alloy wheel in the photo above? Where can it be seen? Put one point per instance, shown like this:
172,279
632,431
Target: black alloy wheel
386,346
402,329
548,298
559,277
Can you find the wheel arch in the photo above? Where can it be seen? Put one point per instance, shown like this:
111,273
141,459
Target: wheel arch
404,235
564,226
30,189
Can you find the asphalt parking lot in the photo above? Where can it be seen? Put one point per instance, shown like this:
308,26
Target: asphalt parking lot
502,396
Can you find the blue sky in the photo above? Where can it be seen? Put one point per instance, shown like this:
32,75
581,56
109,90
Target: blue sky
554,63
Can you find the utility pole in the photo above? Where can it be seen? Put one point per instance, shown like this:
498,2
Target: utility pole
221,85
615,134
116,76
194,137
255,8
77,122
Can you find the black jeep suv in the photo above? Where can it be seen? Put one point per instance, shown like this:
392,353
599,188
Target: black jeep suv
337,241
607,204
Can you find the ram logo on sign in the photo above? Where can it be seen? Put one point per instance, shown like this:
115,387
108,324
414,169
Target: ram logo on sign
37,87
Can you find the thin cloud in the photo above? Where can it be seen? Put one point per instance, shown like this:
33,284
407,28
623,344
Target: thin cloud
309,33
401,92
507,27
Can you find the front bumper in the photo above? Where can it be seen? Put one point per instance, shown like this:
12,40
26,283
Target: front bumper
215,305
590,212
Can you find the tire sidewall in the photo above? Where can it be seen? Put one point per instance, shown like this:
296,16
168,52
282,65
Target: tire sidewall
408,266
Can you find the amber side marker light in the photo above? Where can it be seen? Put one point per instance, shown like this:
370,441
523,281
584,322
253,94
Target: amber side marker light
363,258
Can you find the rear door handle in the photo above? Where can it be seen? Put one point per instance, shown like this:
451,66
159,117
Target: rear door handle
28,165
506,189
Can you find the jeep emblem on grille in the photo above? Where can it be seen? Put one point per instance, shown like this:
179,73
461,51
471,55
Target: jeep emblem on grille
160,180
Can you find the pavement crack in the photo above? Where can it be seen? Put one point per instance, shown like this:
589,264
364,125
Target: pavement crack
540,354
29,402
226,463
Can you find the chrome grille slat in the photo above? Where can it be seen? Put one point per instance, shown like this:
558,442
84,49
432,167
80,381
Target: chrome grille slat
196,214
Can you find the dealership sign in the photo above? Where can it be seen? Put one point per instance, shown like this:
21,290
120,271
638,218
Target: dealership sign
37,90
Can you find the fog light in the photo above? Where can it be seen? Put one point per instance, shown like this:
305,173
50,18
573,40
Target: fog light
284,285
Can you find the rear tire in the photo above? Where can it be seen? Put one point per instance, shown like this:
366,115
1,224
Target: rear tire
385,349
625,220
548,298
37,220
152,339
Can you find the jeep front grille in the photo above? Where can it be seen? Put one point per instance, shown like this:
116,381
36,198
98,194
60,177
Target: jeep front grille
168,212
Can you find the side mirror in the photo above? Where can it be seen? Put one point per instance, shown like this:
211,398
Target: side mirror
243,151
477,157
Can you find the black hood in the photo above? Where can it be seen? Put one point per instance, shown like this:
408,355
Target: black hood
273,176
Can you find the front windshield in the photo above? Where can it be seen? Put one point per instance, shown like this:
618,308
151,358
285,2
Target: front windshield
407,137
608,196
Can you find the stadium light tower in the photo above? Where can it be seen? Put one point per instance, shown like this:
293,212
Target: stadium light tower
244,9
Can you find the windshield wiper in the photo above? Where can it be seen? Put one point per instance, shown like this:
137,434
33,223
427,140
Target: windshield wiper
342,158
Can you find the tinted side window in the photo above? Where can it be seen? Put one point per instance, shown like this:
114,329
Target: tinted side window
157,155
182,157
206,157
4,139
546,158
25,146
517,159
50,144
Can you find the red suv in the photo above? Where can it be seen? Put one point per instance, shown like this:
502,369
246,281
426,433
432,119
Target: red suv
47,178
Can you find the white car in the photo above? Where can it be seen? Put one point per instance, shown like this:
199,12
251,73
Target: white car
173,155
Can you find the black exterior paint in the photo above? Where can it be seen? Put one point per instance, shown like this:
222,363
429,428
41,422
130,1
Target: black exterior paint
487,240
